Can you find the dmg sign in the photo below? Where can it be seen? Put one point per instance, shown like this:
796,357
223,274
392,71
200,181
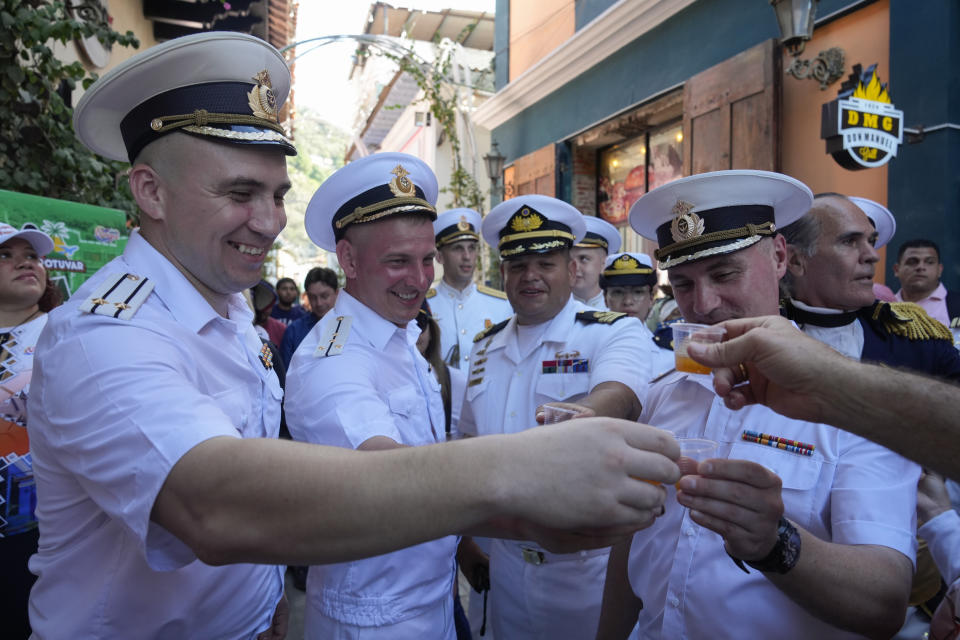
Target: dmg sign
862,128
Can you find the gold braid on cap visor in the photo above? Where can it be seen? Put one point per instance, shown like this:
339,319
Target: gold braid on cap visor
639,271
376,210
200,120
450,238
746,236
590,243
536,234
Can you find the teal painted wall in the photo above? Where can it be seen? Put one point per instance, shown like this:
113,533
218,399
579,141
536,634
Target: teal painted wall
924,178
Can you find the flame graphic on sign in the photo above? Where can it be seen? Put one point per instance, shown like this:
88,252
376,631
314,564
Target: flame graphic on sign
873,91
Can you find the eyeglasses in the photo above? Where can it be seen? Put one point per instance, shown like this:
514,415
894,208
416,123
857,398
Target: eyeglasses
619,293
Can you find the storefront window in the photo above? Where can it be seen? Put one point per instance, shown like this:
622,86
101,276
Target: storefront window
631,168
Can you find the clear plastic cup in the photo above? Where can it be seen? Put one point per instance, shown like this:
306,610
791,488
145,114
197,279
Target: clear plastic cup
553,415
683,334
694,451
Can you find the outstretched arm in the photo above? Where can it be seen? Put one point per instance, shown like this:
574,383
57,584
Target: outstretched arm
802,378
234,500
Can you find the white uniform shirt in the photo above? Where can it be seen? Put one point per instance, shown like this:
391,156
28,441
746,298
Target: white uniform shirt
847,339
505,386
461,315
597,302
510,376
114,405
850,491
379,386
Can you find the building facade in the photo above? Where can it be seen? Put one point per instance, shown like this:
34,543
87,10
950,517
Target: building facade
598,102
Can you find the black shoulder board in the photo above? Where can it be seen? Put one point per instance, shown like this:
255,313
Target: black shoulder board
603,317
489,331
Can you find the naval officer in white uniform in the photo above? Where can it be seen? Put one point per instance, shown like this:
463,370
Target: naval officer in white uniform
554,350
358,381
589,254
461,307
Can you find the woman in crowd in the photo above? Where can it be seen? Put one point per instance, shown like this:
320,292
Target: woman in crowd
26,295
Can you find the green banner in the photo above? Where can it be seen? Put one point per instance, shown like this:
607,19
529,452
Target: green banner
85,237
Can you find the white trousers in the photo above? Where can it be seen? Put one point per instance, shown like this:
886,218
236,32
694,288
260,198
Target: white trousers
436,624
560,598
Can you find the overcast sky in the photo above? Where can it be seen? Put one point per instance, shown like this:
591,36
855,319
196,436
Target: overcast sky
321,74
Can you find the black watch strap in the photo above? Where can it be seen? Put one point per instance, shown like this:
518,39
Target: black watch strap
784,554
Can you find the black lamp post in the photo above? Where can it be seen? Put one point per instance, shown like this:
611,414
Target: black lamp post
494,161
796,19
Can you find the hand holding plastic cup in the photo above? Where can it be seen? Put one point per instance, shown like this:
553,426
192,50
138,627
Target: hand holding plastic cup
683,334
693,451
553,415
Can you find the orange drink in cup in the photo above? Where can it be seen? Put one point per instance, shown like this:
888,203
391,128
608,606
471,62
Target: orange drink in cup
686,332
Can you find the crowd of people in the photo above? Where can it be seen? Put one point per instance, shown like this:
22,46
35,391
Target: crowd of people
163,504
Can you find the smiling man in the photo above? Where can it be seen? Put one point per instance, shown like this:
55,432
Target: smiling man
553,350
829,281
166,502
358,381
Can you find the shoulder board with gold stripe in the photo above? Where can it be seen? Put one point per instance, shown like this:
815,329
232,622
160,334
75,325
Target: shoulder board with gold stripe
119,296
489,331
431,292
910,321
603,317
334,337
490,291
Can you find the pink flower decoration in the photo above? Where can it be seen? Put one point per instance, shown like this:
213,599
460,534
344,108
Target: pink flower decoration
226,5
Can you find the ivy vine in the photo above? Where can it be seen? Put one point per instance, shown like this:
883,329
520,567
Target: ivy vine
39,152
441,95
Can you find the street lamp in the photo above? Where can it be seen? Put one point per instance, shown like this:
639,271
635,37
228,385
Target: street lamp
494,161
796,19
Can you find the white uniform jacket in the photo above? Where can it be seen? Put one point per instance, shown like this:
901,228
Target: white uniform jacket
850,491
461,315
113,406
376,384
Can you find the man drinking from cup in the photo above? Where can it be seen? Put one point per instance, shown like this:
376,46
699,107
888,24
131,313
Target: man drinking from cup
792,529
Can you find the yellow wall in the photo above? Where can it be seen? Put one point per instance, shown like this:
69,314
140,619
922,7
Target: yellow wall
864,37
536,29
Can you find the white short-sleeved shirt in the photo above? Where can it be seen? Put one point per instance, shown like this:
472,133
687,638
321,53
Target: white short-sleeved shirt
379,385
850,491
114,405
505,386
461,315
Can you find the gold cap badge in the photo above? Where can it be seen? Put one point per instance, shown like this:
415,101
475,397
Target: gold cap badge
526,220
686,224
262,99
401,185
463,225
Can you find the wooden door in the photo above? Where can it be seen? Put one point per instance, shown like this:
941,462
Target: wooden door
731,113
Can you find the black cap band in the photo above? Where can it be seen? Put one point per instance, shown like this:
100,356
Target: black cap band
692,236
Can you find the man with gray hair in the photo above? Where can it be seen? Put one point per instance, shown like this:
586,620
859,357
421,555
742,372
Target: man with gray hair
829,293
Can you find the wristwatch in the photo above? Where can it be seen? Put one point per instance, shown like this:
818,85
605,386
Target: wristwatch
784,554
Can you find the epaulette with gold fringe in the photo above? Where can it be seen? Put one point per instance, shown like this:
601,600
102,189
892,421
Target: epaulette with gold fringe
496,293
489,331
910,321
603,317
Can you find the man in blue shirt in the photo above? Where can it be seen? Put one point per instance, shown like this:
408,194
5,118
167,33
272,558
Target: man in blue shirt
321,286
